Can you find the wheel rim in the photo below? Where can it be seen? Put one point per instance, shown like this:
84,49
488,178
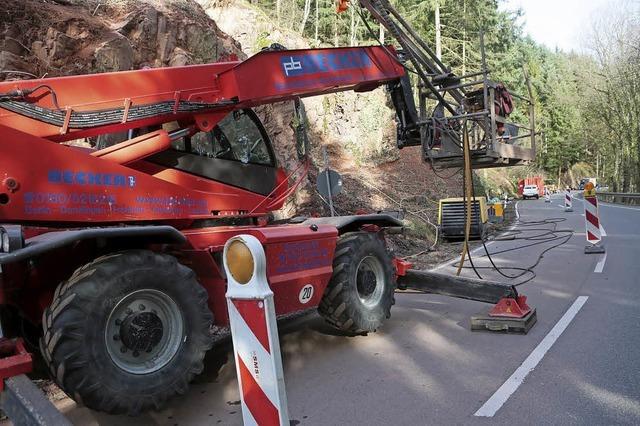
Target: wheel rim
144,331
370,281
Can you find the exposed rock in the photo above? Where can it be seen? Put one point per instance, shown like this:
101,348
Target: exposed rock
59,46
179,57
38,48
13,62
200,42
114,55
85,36
11,45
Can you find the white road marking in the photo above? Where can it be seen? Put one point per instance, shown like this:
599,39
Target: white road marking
501,396
600,264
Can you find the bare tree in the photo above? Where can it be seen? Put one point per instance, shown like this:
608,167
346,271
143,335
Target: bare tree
278,6
305,15
317,23
615,104
438,37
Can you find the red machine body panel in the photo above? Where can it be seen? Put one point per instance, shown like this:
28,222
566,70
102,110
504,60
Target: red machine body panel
296,256
68,185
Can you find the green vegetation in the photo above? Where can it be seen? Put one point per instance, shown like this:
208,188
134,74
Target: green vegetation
587,105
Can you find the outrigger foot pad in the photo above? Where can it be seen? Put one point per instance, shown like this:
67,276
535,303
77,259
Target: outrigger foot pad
483,321
509,315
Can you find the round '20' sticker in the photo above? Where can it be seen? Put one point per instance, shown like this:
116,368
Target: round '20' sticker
306,293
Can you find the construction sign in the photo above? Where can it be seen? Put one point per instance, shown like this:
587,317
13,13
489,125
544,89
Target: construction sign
568,201
592,220
254,333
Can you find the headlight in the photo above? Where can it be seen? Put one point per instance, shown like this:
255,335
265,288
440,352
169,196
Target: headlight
240,261
5,240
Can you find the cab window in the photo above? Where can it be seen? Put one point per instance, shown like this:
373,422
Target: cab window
237,137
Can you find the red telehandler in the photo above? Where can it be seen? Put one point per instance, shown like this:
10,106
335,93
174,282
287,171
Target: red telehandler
115,251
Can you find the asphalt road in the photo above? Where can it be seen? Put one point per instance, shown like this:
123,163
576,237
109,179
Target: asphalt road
581,360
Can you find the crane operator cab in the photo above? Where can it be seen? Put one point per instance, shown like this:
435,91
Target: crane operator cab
236,152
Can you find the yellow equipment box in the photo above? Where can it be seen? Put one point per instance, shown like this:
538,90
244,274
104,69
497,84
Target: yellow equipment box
452,217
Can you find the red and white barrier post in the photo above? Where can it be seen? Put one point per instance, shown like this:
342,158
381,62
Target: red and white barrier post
592,220
547,195
568,201
254,332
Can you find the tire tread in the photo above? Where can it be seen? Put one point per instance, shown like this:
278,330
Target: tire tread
334,306
63,323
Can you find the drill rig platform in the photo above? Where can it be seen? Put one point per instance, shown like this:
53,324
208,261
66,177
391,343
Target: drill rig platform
447,102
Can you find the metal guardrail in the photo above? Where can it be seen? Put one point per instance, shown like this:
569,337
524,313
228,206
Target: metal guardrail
620,197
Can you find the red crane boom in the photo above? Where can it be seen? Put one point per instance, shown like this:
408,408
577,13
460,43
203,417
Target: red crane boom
134,181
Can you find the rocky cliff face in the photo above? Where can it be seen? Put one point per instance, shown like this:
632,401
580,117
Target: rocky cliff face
66,37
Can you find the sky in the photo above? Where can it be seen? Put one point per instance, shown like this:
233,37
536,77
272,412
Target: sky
559,23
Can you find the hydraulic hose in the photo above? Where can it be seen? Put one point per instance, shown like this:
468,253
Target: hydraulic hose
467,182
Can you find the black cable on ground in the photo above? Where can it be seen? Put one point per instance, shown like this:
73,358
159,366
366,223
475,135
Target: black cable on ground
552,221
547,235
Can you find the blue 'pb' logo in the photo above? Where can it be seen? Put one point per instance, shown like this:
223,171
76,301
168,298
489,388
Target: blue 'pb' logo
311,63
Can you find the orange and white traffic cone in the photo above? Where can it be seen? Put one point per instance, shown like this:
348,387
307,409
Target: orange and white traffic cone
254,332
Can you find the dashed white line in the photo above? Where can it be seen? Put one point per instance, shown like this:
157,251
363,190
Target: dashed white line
600,264
501,396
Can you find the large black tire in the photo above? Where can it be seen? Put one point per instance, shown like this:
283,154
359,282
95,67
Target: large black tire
171,333
360,293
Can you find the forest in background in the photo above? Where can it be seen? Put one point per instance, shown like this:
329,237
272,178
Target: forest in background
587,104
